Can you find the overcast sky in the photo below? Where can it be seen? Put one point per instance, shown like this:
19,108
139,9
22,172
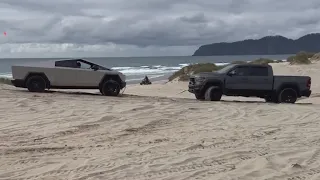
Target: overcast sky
59,28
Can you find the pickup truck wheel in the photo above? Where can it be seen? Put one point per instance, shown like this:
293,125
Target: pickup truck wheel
288,95
199,96
36,84
213,93
268,99
271,98
110,88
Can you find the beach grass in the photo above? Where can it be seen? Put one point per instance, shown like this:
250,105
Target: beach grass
301,58
5,81
315,57
184,73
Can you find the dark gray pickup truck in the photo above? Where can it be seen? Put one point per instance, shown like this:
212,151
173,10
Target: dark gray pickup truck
249,80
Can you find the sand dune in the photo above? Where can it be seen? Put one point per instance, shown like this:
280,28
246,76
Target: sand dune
67,135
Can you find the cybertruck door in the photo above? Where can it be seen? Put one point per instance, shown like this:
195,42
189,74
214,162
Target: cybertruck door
62,76
87,77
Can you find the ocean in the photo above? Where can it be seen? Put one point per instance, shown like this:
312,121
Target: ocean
135,68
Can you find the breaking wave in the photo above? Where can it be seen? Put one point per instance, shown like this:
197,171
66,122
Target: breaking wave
6,75
149,70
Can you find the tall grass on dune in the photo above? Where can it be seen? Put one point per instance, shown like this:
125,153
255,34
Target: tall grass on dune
315,57
184,73
301,57
5,81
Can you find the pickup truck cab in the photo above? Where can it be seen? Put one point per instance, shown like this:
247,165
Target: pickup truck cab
249,80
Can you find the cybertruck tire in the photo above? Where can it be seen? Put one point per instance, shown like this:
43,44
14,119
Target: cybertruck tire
110,88
36,84
213,93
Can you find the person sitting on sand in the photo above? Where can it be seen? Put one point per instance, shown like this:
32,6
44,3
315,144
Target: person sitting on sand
145,81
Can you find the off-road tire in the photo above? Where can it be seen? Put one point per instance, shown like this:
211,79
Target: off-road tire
213,93
110,88
36,84
271,98
288,95
199,96
268,99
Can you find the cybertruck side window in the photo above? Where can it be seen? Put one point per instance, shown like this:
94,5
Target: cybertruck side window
69,64
84,65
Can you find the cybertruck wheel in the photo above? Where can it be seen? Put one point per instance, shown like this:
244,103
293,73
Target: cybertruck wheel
110,88
288,95
213,93
36,84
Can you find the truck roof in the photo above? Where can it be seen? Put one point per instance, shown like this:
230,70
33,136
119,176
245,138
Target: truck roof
46,63
260,65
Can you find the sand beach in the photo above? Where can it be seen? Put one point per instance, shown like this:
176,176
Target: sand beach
159,132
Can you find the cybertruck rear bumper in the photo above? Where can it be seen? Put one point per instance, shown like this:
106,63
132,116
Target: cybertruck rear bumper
18,83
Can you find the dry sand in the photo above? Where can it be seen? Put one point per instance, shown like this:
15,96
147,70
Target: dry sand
67,135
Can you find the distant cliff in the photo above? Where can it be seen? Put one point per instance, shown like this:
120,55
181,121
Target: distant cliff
269,45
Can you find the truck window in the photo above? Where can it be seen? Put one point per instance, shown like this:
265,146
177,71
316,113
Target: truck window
241,71
66,63
259,71
84,65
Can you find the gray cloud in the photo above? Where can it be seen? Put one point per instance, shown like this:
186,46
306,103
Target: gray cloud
157,23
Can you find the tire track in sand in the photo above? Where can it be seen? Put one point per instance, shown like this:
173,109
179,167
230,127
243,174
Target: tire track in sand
207,166
302,174
314,157
78,172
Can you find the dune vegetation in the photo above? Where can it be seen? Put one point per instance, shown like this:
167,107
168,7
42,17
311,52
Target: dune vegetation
315,57
184,73
5,81
301,58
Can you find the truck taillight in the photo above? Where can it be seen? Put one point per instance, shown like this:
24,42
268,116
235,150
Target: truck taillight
309,83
